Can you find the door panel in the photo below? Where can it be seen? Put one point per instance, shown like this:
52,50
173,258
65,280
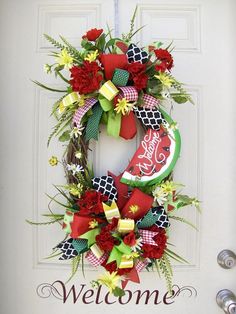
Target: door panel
204,39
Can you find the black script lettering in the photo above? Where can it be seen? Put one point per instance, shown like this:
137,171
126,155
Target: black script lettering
107,299
88,294
98,295
72,289
129,298
167,296
148,296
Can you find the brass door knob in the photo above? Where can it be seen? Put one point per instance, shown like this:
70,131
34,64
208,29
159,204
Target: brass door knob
226,301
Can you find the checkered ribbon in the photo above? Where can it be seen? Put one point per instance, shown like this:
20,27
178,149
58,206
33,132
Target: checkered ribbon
147,236
129,92
141,265
82,110
150,102
94,260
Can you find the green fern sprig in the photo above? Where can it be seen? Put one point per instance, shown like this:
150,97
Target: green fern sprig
166,269
54,42
181,219
74,266
72,50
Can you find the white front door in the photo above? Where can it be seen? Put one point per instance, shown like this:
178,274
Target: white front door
203,32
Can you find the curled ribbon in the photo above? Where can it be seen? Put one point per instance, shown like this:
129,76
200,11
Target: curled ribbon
81,111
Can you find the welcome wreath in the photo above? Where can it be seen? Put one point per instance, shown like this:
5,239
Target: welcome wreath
120,222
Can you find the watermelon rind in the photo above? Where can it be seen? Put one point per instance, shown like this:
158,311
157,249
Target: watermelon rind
156,178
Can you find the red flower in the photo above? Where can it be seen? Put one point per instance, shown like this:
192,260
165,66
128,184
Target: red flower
130,239
140,81
112,225
111,267
165,60
91,203
137,72
136,68
105,240
152,251
86,78
93,34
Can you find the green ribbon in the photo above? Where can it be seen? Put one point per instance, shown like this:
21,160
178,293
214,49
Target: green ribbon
90,236
148,220
117,252
105,103
113,123
80,245
120,77
92,127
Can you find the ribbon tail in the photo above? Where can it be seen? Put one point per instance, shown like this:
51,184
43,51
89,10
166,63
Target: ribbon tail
128,127
131,276
92,127
113,123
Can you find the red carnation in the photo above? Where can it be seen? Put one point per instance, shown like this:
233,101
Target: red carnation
112,225
130,239
105,240
137,73
86,78
136,68
93,34
165,60
91,203
140,81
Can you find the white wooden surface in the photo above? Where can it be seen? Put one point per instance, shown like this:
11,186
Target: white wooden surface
204,40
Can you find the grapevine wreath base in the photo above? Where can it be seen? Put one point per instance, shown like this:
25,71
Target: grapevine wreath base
118,221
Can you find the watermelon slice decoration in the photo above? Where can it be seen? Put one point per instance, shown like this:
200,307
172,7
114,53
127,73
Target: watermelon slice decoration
156,156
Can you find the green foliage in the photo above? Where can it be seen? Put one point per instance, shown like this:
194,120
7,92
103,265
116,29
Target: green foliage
165,269
75,262
118,292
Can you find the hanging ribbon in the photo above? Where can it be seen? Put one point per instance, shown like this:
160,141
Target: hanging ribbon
147,236
81,111
133,274
113,123
92,127
94,260
122,190
105,103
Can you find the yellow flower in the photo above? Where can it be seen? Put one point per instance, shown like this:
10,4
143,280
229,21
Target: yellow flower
165,79
123,106
65,59
169,187
92,56
76,190
109,280
133,209
93,224
53,161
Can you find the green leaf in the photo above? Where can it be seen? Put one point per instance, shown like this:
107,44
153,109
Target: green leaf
65,136
181,219
100,42
118,292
